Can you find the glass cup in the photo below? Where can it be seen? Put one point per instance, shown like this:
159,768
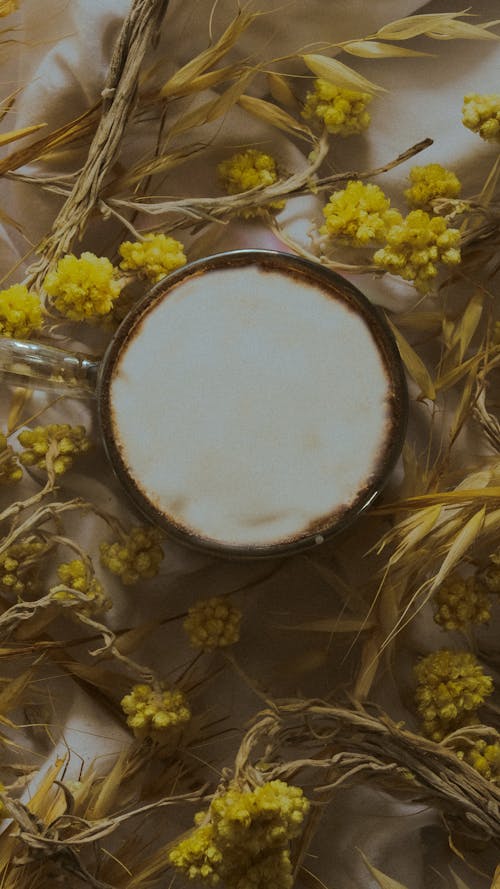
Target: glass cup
251,404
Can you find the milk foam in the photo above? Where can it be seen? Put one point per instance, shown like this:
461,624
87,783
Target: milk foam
249,404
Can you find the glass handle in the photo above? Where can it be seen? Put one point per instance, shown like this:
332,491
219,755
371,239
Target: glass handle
46,367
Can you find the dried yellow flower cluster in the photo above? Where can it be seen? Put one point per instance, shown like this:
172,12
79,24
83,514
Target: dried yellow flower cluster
6,8
341,110
83,288
153,257
66,442
154,713
20,312
19,565
75,575
246,170
461,601
359,214
481,114
416,246
10,471
451,686
138,555
430,182
213,623
245,840
483,757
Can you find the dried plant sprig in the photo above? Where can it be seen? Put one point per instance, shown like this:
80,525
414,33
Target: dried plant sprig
139,30
362,746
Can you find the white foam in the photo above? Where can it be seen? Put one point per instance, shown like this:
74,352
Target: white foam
250,405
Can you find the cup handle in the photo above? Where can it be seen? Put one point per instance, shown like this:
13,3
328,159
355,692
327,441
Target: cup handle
46,367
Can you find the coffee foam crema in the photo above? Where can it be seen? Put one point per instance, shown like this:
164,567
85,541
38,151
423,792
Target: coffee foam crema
249,405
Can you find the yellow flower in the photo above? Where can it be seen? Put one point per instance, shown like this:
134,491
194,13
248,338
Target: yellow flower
153,257
66,442
429,182
451,686
481,114
7,7
343,111
460,602
244,838
85,288
20,312
75,575
416,246
483,757
19,565
359,214
246,170
10,471
154,713
213,623
138,555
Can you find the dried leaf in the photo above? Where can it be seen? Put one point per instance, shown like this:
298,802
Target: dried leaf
463,31
414,25
210,110
463,541
496,878
108,793
278,118
210,56
281,92
414,364
373,49
12,693
74,129
208,80
339,74
14,135
382,879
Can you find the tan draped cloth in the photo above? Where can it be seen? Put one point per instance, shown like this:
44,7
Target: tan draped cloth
60,63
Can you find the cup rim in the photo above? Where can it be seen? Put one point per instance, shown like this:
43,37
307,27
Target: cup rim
328,526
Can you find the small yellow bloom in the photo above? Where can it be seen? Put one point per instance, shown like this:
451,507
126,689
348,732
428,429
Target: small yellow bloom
359,214
451,686
484,757
153,257
19,565
138,555
481,114
430,182
84,288
10,471
154,713
75,575
459,602
20,312
244,838
7,7
416,246
246,170
66,442
213,623
342,110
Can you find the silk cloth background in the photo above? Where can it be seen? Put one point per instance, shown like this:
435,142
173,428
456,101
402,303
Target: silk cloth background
61,63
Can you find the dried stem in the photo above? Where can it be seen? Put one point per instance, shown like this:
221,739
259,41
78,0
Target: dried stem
138,31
